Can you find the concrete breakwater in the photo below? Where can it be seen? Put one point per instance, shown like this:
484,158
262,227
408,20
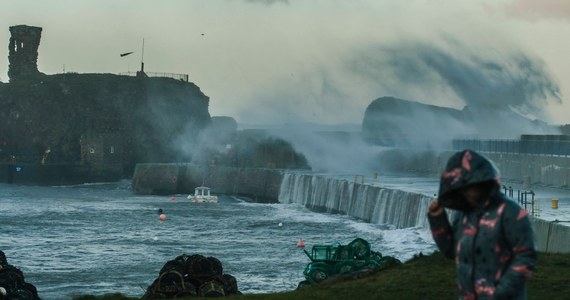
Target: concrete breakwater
527,169
551,236
533,169
261,185
373,204
401,209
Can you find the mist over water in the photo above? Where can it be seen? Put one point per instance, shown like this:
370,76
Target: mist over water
332,151
501,92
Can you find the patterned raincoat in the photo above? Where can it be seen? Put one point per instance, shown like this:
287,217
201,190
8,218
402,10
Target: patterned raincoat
492,244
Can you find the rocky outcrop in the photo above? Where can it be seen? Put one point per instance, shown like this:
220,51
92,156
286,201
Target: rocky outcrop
12,282
391,121
395,122
248,149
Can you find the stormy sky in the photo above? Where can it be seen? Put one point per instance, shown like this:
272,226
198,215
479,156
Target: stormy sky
323,61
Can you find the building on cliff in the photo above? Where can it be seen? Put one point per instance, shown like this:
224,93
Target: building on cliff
73,128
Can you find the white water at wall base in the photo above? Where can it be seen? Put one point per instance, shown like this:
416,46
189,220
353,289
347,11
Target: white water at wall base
373,204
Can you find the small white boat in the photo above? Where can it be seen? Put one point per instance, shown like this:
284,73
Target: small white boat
202,195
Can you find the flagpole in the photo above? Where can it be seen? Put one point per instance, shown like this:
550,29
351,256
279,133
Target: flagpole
142,57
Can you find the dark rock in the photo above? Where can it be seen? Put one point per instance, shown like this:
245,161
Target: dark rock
13,282
391,121
192,275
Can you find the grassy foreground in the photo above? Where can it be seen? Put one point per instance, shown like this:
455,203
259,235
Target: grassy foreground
424,277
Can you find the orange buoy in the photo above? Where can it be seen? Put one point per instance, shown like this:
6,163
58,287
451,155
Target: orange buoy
162,217
300,243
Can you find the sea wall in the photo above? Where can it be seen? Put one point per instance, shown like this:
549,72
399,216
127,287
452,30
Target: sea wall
551,236
56,174
368,203
398,208
259,184
530,169
534,169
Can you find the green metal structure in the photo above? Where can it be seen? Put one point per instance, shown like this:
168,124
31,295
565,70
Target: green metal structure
337,259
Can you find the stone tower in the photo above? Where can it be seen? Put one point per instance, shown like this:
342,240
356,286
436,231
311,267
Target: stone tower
23,51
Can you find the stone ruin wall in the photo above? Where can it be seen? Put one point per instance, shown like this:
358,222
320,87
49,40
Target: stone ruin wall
23,51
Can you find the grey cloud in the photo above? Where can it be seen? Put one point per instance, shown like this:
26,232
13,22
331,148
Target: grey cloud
268,2
509,80
535,10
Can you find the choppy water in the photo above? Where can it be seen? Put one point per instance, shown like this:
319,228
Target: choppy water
101,238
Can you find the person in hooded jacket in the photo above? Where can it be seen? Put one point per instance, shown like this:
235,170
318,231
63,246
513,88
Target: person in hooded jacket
490,237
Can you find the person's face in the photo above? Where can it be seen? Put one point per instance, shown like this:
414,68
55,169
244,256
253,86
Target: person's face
471,194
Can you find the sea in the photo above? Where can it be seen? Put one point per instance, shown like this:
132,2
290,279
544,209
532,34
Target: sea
96,239
101,238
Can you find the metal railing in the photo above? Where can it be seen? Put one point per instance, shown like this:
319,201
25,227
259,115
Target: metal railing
528,203
182,77
539,147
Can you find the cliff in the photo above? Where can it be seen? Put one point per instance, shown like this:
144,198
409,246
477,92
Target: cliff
73,127
98,119
395,122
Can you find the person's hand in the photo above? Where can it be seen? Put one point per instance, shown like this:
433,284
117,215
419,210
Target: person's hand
435,209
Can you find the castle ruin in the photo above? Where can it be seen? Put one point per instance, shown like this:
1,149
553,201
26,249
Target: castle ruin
23,51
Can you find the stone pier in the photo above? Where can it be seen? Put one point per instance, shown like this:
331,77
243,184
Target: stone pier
261,185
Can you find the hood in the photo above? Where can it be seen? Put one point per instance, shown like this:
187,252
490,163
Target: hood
465,168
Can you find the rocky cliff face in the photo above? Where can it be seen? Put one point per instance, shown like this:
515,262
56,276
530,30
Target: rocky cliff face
395,122
98,119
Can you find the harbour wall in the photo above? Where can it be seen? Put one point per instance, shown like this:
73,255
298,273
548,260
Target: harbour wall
368,203
528,169
259,184
57,174
533,169
321,193
551,236
398,208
